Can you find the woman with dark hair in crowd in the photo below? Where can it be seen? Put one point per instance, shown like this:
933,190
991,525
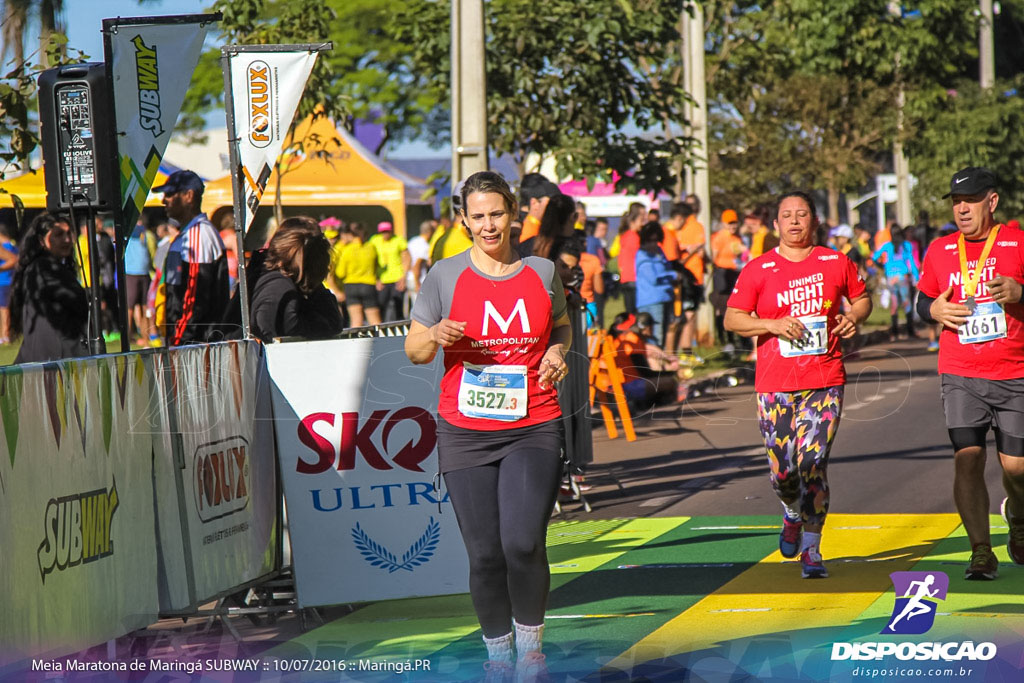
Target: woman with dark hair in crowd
788,299
556,225
48,306
289,298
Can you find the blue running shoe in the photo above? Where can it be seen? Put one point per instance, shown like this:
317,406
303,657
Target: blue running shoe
813,565
789,539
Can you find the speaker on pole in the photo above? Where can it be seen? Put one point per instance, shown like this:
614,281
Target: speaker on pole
74,112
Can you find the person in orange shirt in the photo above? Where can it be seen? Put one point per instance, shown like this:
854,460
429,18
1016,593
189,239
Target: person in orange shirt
884,236
629,245
726,252
535,191
670,244
690,235
642,385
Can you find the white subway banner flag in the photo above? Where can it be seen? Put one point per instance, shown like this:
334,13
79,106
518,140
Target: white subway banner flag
266,87
152,67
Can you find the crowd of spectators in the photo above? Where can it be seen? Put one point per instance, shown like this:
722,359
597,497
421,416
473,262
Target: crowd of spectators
656,272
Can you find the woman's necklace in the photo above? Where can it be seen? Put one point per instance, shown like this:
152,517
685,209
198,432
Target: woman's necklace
503,270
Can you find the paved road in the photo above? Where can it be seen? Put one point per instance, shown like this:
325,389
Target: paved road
891,455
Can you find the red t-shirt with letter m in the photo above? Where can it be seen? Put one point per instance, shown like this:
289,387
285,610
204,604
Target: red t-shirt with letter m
508,323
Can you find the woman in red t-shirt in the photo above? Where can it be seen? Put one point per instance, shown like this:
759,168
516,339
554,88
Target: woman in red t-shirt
501,320
789,298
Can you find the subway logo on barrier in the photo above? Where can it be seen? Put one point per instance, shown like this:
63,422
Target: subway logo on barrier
77,530
149,87
221,478
260,91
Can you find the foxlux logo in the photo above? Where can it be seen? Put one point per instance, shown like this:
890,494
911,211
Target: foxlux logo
260,93
77,530
221,475
917,596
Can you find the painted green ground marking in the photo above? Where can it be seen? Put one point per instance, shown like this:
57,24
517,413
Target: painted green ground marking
599,608
671,573
614,547
418,628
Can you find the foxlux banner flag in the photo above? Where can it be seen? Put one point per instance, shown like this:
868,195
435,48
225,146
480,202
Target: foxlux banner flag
266,87
152,60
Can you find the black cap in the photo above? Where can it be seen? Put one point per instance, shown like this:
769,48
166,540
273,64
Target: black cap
535,186
179,181
971,180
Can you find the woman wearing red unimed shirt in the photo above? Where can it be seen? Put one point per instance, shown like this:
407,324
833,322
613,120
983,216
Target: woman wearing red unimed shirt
789,298
502,323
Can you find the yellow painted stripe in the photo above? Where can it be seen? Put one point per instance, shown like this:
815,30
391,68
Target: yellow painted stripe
771,596
417,627
570,558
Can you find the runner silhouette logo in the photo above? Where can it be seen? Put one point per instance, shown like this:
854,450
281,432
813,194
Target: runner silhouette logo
917,599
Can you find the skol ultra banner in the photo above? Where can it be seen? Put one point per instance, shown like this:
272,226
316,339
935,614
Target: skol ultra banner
152,60
266,87
357,446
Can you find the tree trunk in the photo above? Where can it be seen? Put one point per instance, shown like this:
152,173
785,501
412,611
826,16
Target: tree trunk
833,204
383,141
278,204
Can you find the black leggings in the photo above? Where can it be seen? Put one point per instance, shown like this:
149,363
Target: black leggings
503,510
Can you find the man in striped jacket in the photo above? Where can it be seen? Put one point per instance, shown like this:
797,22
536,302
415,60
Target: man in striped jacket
196,270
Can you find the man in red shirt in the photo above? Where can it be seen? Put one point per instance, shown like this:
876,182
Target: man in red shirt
970,283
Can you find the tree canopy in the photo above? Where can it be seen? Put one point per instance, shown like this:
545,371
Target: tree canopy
802,93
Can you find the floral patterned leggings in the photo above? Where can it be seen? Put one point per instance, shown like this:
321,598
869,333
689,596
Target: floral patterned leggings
798,429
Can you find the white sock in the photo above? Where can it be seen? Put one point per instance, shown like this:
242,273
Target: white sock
811,540
792,510
528,638
499,649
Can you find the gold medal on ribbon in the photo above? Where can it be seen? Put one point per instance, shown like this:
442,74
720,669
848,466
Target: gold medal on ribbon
971,283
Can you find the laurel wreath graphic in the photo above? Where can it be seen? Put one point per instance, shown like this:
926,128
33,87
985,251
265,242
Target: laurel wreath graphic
379,556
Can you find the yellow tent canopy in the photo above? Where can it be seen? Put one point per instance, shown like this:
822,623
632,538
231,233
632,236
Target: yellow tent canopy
30,187
334,170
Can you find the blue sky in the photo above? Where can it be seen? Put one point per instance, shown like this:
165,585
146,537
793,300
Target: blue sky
84,18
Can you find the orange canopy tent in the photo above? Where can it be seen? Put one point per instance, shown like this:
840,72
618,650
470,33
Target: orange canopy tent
30,187
334,170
